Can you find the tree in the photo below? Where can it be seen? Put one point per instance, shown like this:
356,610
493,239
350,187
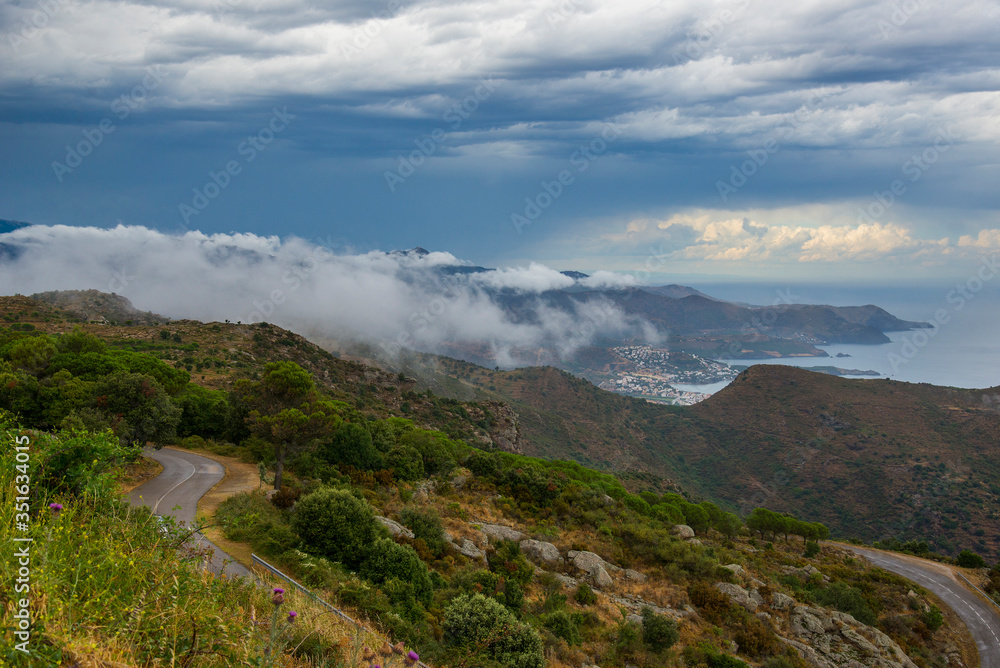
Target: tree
352,444
285,411
337,525
137,408
32,354
696,517
405,462
79,341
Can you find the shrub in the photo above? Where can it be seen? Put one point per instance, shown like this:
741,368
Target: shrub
584,595
386,560
426,526
969,559
352,444
483,625
507,561
812,549
658,632
563,625
933,618
337,525
405,462
847,599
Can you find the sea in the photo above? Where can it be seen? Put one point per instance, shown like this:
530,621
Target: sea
962,349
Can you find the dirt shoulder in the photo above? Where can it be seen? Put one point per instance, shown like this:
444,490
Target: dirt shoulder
240,477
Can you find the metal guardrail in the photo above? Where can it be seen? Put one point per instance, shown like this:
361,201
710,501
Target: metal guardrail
985,595
337,611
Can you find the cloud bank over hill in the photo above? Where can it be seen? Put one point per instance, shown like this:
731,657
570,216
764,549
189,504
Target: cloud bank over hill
398,299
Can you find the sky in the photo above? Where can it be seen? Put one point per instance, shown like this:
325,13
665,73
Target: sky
785,141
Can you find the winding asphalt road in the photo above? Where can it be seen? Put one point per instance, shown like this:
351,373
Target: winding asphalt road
982,619
185,478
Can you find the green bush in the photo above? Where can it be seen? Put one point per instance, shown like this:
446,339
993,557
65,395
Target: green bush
812,549
335,524
933,618
847,599
969,559
426,525
563,625
658,632
584,595
352,444
507,561
386,559
482,625
405,462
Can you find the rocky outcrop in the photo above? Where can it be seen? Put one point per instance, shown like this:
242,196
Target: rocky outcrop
829,639
394,527
735,569
500,532
592,565
505,431
683,531
781,601
542,553
740,596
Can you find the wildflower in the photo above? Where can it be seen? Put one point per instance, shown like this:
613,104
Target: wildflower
367,654
412,658
279,596
291,616
56,509
398,648
385,649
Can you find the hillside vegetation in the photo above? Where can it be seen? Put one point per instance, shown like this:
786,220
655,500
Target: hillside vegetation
401,506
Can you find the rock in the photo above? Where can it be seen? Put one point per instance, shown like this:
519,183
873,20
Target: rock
394,527
469,549
601,577
763,616
500,532
756,597
781,601
738,595
735,569
634,619
566,580
694,541
635,576
540,551
828,639
683,531
458,481
911,594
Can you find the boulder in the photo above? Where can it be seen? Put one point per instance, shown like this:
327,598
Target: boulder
634,619
467,548
735,569
781,601
541,552
635,576
394,527
683,531
500,532
738,595
601,578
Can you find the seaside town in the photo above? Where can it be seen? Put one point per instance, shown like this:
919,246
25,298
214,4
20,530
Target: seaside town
650,373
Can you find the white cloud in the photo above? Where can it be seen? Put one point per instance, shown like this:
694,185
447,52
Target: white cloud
393,298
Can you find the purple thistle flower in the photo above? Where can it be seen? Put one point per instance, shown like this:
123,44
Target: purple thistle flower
56,508
279,596
291,616
412,657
